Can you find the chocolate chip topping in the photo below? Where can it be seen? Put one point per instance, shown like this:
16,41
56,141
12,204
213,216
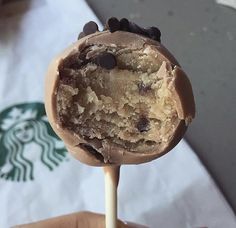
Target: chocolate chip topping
106,60
154,33
90,28
81,35
143,124
124,24
113,24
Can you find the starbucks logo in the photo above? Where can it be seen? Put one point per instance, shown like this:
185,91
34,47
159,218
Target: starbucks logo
26,139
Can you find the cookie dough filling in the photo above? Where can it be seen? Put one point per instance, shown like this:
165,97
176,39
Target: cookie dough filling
115,95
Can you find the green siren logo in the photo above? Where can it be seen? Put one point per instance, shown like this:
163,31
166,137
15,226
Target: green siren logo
26,139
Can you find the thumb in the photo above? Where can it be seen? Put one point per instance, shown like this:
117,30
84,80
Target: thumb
76,220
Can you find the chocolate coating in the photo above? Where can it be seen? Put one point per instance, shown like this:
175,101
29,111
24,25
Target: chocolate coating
158,70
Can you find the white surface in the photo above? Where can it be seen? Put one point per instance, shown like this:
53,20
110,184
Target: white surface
229,3
173,191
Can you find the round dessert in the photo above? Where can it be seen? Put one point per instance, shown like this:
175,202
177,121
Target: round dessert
118,96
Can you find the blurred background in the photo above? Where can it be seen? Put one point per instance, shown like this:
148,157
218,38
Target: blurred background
202,36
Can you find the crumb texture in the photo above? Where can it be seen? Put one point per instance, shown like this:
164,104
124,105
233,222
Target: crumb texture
129,105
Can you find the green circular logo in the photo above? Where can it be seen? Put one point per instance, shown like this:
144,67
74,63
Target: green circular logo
26,138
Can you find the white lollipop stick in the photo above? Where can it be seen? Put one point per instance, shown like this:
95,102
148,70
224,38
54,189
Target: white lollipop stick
111,183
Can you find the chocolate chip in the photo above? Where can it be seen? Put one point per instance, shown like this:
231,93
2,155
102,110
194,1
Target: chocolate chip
90,28
124,24
143,124
113,24
106,60
92,151
143,89
81,35
154,33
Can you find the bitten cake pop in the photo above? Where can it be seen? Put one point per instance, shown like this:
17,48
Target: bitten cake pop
118,96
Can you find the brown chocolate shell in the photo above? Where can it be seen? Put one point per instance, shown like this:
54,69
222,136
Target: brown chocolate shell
102,151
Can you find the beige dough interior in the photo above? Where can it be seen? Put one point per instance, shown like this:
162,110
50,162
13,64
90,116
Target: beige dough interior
129,105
